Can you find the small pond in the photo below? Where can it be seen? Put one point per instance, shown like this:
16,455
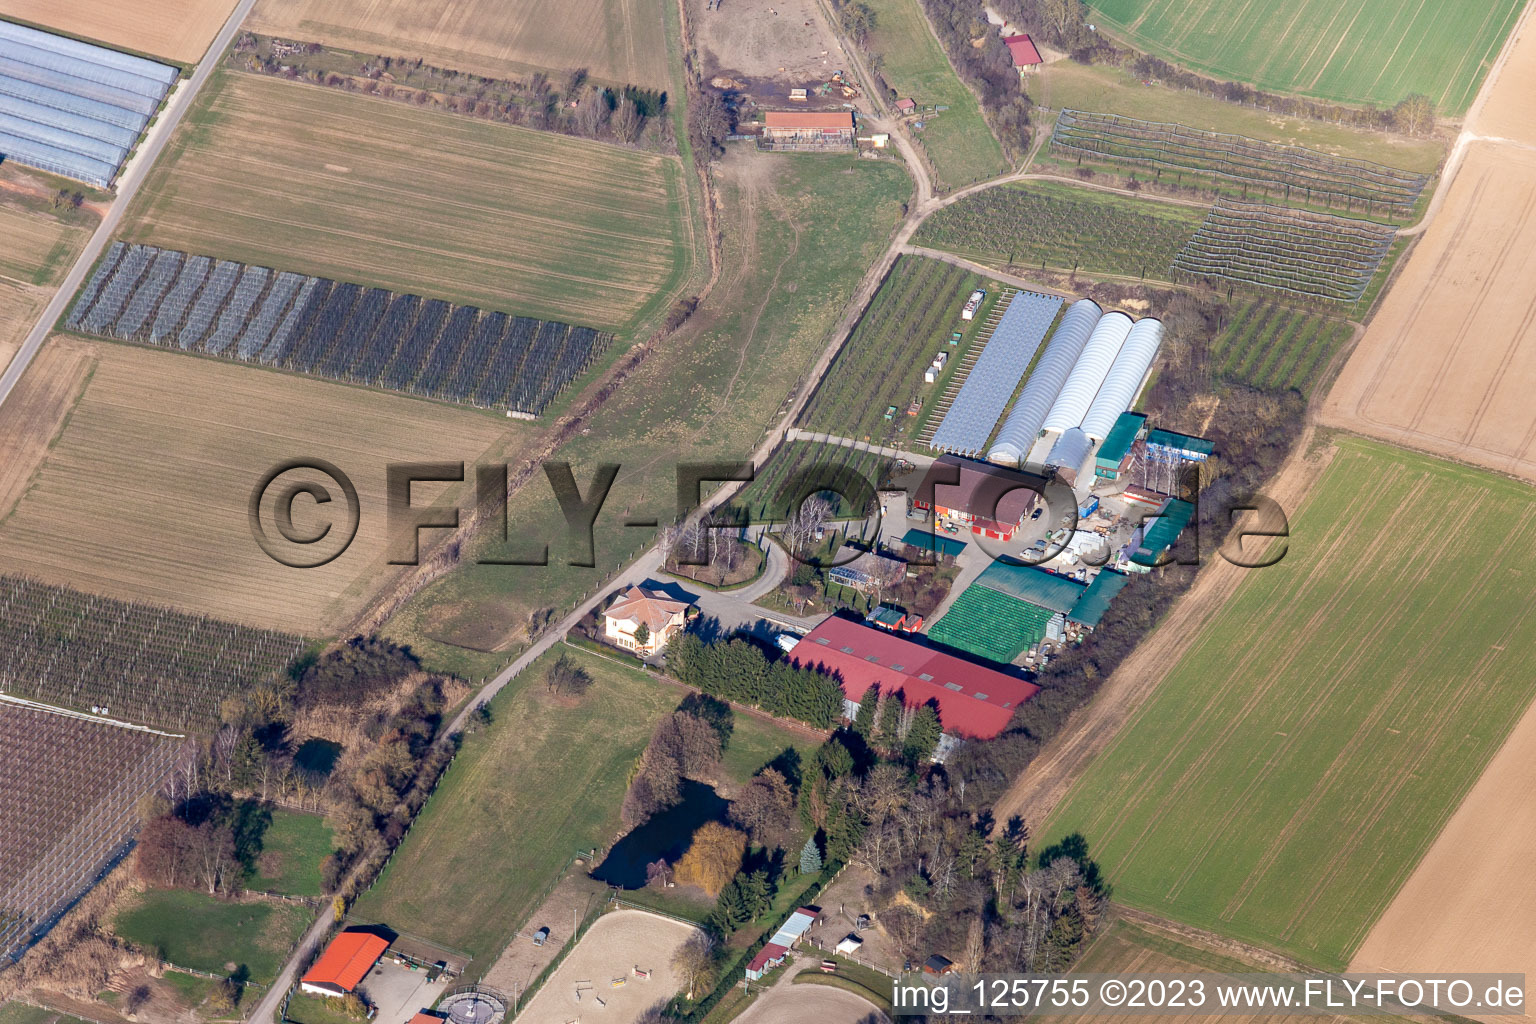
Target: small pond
664,837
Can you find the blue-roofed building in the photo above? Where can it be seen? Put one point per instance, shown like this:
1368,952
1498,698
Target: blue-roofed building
72,108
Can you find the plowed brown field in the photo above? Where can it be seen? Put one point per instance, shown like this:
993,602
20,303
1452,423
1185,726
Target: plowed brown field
178,29
143,495
1448,366
1448,362
619,41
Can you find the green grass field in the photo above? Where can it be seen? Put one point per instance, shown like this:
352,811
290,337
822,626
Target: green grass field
1070,85
543,782
1274,347
1065,228
1377,51
320,181
20,1013
958,141
291,851
755,742
907,324
802,230
1123,947
1296,763
193,930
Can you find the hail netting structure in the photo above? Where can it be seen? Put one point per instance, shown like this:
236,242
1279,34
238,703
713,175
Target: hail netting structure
1124,378
992,380
1093,365
69,790
1288,250
337,331
73,108
1292,171
1027,419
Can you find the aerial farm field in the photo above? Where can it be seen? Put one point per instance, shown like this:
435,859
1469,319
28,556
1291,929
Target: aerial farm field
178,443
36,254
622,42
541,783
907,325
1445,365
1288,814
1274,347
1125,947
1378,51
1066,84
1469,900
1064,228
319,181
957,141
801,232
179,30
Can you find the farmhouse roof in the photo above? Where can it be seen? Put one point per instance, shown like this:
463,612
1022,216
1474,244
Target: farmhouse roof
423,1017
1183,442
974,701
809,119
1128,426
772,951
347,960
1023,50
983,490
1163,531
651,607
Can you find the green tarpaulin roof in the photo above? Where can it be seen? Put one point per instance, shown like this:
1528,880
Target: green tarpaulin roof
1163,531
1121,436
1028,583
932,542
1090,607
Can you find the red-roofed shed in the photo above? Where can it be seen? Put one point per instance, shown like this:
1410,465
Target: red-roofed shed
906,105
974,701
345,963
1025,56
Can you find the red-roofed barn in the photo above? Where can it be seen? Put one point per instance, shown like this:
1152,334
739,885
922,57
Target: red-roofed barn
975,702
344,964
808,129
1025,56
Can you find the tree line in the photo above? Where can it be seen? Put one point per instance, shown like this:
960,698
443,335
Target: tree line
741,671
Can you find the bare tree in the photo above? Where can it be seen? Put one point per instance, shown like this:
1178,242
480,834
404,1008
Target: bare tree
695,961
628,122
592,112
975,945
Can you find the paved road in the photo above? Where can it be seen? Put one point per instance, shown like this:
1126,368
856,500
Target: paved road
132,177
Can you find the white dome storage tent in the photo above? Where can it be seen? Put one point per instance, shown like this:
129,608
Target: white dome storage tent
1088,375
1125,376
1070,450
1040,390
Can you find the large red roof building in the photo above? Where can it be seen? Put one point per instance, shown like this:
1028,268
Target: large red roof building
975,702
344,964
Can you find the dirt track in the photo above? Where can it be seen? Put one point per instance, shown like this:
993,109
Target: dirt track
1447,362
31,419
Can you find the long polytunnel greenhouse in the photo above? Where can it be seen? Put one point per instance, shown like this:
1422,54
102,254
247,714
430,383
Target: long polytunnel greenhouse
1124,378
73,108
1088,375
1027,419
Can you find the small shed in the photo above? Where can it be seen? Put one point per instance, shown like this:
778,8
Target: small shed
906,105
937,964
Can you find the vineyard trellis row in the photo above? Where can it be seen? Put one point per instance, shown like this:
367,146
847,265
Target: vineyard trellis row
334,330
1295,173
1287,250
147,664
69,790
